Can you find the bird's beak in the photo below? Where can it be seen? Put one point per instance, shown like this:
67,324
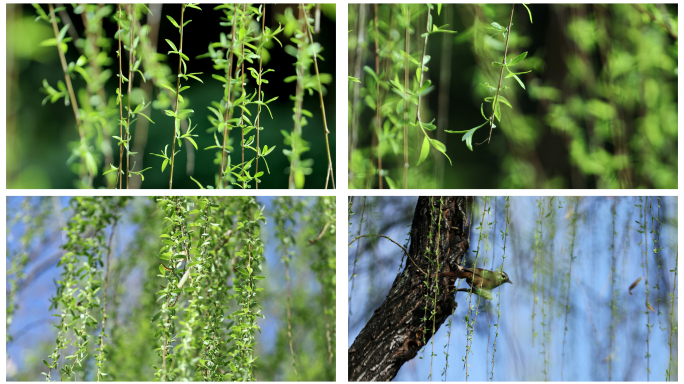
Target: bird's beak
508,281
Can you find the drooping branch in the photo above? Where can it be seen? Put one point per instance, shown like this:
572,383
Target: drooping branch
394,334
498,88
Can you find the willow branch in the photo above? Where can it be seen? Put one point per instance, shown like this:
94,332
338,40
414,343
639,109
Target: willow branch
406,82
229,92
65,69
330,173
388,238
422,61
180,59
378,117
119,174
263,25
508,34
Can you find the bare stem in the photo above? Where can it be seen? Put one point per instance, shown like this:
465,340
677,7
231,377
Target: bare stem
66,75
131,57
330,173
388,238
422,61
72,97
263,25
498,88
242,110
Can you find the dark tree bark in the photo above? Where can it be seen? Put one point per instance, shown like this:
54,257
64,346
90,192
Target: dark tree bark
395,332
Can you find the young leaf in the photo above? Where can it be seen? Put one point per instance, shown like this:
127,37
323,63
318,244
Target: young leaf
390,182
518,59
172,45
63,32
173,21
425,150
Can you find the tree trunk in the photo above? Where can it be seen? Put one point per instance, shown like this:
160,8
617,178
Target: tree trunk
403,323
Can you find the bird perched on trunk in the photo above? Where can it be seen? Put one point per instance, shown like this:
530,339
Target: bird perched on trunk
481,280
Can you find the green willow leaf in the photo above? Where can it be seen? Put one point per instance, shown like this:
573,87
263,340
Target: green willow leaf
518,59
425,150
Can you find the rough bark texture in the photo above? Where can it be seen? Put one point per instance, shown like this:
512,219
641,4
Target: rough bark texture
394,334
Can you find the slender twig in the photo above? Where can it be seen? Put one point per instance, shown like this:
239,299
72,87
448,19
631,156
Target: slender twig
104,308
508,34
263,24
327,324
320,234
31,326
131,57
538,238
72,30
436,281
664,25
242,110
120,173
378,117
165,345
471,325
330,172
95,86
356,256
498,313
422,61
648,304
672,326
400,246
72,97
358,73
573,222
229,107
142,125
289,324
443,100
298,105
406,82
579,285
180,60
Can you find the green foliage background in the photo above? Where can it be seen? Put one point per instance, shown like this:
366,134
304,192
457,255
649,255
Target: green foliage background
131,352
599,109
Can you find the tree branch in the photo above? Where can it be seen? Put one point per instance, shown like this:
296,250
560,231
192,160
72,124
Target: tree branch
508,34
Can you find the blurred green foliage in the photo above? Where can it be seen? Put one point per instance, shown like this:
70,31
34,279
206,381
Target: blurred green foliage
599,109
